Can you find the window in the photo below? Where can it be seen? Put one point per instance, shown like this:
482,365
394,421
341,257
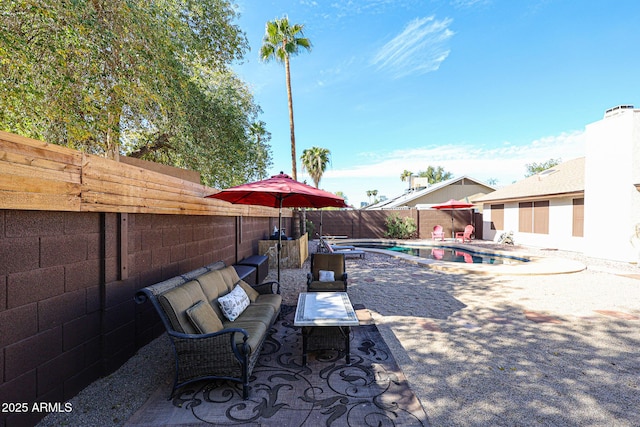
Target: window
541,217
497,217
525,217
533,217
578,218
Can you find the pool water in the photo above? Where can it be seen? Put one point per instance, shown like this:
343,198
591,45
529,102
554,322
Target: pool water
449,254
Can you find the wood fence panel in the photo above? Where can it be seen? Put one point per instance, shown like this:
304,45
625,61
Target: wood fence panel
38,176
35,175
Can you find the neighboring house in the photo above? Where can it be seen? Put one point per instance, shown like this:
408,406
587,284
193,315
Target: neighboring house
589,205
462,188
543,210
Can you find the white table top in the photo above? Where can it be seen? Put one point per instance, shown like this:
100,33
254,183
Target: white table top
325,309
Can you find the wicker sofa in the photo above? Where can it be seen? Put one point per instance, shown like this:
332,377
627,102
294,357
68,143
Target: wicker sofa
206,343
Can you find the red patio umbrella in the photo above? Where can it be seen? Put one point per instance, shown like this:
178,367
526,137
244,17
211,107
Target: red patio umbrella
280,191
453,205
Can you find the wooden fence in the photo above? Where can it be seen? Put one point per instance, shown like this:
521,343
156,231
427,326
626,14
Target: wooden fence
35,175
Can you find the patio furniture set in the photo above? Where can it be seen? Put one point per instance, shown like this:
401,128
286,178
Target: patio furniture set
217,322
463,236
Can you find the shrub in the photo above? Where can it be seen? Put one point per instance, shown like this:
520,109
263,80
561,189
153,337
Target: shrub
400,228
310,229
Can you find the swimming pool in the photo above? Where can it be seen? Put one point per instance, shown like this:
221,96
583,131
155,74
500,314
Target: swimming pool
448,254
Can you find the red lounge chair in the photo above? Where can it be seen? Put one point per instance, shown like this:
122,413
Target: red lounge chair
437,233
465,236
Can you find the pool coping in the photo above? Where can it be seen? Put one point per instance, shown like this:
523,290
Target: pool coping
537,265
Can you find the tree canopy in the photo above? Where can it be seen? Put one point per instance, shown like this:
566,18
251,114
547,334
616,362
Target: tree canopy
534,168
435,174
315,160
147,78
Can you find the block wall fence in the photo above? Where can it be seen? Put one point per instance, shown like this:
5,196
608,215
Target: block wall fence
67,285
363,224
79,235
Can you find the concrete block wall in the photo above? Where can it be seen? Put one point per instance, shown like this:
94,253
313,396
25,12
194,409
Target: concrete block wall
371,224
67,281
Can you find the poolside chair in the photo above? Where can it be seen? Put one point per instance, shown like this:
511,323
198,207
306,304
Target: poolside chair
323,243
328,273
437,233
465,236
337,249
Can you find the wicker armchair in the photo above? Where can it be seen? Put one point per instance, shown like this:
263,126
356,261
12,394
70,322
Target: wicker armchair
327,262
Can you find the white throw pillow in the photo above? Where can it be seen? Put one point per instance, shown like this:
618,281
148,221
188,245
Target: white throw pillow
326,276
234,303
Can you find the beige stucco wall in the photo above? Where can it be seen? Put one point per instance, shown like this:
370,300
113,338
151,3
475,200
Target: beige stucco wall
612,167
560,226
454,191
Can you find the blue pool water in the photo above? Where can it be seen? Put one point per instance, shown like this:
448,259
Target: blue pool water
449,254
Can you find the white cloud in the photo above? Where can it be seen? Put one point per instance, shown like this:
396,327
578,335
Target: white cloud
505,164
420,48
468,3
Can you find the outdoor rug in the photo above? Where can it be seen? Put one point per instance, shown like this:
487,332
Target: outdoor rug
371,392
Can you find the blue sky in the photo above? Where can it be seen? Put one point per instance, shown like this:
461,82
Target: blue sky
479,87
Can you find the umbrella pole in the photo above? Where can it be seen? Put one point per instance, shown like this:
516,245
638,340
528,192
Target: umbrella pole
453,235
279,238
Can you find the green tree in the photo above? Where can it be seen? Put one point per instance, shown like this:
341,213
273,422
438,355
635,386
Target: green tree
534,168
344,196
282,40
116,76
435,174
261,137
315,160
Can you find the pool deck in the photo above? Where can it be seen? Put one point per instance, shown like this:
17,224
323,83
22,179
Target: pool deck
537,265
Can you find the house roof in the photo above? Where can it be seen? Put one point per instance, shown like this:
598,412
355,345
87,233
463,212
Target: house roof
402,200
565,178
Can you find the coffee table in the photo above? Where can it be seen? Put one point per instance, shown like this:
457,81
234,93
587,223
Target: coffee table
325,310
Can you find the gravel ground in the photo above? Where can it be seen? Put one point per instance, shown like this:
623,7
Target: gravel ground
558,350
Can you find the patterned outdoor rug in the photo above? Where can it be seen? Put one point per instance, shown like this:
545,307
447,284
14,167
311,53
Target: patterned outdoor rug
371,392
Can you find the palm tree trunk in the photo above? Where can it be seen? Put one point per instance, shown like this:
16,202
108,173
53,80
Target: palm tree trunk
294,173
295,233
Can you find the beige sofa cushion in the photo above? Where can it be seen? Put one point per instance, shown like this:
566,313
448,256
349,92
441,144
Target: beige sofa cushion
335,286
230,276
203,318
176,301
272,300
251,293
258,313
257,331
214,286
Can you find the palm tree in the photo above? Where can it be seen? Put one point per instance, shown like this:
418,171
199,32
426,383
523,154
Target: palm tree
281,40
315,160
369,193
